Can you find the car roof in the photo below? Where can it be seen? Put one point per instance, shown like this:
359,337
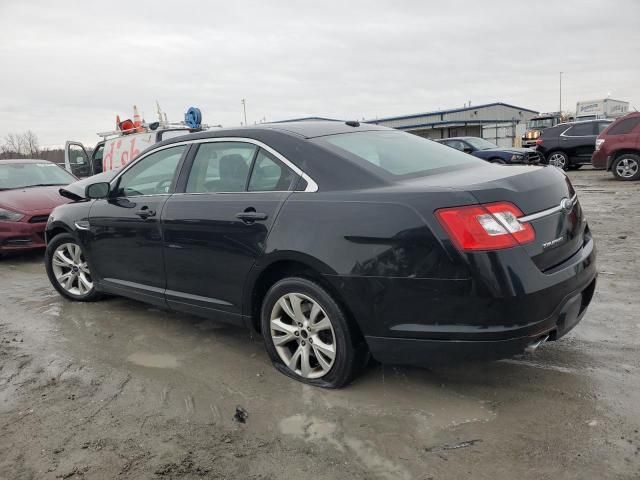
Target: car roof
300,129
585,121
23,160
455,138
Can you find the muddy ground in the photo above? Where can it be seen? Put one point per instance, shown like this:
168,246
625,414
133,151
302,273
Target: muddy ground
120,390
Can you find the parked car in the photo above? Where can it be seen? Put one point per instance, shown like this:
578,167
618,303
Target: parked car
570,145
481,148
618,148
336,241
28,193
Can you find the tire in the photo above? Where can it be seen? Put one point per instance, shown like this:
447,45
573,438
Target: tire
626,167
64,258
497,161
285,337
559,159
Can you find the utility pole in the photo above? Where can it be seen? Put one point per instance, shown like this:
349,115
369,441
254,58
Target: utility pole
561,92
244,108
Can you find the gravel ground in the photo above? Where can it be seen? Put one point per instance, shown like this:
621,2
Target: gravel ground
119,390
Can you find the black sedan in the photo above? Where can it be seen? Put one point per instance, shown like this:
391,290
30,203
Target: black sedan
481,148
336,241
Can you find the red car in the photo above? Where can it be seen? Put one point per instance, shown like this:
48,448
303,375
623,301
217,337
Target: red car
618,148
28,193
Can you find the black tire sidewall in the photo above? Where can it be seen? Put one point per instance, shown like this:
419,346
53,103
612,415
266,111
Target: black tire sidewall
631,156
48,255
346,364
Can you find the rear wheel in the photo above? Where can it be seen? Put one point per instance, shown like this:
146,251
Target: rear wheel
307,335
626,167
559,159
68,270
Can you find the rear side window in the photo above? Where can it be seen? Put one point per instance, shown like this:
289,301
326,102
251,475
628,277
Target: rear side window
581,129
221,167
624,126
396,153
269,174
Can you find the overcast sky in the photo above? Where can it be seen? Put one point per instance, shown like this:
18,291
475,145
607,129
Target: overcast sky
67,68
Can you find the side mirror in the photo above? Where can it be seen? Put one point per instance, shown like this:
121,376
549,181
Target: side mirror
467,150
97,190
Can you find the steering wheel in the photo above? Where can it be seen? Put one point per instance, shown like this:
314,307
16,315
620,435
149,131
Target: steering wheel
163,186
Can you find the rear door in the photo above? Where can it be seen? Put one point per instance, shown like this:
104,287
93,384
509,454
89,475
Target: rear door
217,227
579,141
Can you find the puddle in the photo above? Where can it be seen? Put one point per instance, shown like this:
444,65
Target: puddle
313,429
154,360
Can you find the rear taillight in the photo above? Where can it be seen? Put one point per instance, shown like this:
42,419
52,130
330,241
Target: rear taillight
599,142
491,226
539,141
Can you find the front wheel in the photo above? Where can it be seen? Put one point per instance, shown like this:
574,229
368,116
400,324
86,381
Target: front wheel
626,167
307,335
68,270
559,159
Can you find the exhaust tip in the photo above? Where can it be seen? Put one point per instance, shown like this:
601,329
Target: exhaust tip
533,346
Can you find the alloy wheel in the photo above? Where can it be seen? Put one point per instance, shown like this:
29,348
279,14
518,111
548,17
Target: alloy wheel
627,167
557,160
70,269
303,335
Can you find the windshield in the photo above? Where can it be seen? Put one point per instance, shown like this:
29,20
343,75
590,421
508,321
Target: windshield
21,175
541,123
480,143
397,153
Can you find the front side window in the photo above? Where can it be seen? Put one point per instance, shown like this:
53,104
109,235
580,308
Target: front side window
152,175
457,144
269,174
396,153
221,167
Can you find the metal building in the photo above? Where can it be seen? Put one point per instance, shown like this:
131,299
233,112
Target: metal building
498,122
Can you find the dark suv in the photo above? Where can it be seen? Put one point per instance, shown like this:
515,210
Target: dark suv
570,145
618,148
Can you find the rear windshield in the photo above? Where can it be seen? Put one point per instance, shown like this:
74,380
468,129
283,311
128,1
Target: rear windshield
396,153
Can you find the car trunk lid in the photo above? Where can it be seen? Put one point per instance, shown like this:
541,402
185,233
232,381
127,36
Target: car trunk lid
544,195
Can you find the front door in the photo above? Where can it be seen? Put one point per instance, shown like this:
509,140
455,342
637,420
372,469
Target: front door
217,227
76,160
125,247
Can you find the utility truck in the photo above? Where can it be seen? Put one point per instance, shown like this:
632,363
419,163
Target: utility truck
130,137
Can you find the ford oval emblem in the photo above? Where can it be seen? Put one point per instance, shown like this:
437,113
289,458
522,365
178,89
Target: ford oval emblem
566,205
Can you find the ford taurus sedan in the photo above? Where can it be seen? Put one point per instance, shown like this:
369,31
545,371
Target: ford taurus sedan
337,241
28,193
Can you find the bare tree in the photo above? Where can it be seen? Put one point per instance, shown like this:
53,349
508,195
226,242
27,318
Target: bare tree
20,145
31,144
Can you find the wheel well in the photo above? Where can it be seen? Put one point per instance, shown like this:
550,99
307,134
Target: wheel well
50,235
619,153
291,268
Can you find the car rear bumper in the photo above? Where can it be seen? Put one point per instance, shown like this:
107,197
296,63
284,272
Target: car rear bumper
601,160
506,306
17,236
433,352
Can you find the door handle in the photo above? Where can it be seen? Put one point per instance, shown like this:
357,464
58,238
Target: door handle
145,212
250,216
